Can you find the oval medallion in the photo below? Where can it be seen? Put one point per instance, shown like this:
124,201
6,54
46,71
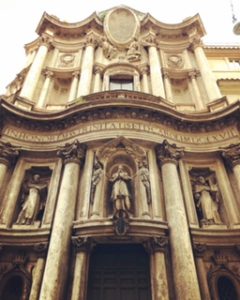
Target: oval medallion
121,26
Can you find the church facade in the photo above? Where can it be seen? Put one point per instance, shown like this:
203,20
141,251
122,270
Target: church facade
120,163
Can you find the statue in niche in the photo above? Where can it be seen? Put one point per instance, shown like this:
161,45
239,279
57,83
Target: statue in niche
32,206
96,177
109,51
120,193
144,177
206,195
134,53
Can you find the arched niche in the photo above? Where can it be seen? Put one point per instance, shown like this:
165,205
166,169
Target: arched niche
108,158
224,284
15,285
117,164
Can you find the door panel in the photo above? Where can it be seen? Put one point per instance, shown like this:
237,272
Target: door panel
119,272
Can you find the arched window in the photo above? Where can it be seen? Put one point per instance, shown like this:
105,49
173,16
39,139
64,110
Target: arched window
13,288
226,289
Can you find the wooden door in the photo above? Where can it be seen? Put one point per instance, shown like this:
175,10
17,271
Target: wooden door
119,272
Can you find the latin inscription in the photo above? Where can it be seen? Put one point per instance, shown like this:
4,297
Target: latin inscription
187,138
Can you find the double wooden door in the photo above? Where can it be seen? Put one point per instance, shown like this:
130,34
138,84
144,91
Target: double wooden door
119,272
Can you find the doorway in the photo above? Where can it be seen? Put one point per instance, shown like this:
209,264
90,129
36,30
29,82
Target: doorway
119,272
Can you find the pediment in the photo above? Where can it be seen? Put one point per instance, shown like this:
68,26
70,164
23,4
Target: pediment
121,144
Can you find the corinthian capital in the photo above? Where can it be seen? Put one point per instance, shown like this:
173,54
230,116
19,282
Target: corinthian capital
231,155
8,153
74,152
168,153
92,39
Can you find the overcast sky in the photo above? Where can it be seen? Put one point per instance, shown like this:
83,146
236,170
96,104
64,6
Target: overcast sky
19,20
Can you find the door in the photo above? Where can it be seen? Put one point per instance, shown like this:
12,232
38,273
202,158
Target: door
119,272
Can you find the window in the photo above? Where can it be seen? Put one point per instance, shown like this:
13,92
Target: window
121,83
234,64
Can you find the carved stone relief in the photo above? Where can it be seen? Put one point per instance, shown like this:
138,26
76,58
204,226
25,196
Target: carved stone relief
206,195
175,61
33,196
66,60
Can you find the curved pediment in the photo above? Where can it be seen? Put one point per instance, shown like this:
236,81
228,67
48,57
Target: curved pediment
173,30
59,26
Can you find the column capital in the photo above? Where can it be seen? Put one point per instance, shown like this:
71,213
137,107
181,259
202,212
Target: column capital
199,249
195,41
45,41
48,73
82,244
74,152
193,74
75,74
41,249
144,69
97,69
92,39
168,153
231,155
8,153
150,39
156,244
165,73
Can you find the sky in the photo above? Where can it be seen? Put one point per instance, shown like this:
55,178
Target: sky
19,20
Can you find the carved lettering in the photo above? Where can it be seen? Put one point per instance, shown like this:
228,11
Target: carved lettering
155,129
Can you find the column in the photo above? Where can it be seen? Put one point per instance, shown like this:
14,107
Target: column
84,87
97,80
8,154
167,85
38,270
59,246
184,270
202,273
34,73
158,246
45,89
74,85
82,248
155,68
209,81
196,93
145,72
231,156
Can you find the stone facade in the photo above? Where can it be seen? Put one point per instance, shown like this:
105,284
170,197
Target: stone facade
122,132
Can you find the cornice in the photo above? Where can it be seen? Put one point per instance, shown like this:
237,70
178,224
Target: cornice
178,28
216,237
49,21
25,237
112,104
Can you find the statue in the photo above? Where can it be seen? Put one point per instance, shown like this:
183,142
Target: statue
96,177
120,194
207,199
134,53
32,203
144,177
109,51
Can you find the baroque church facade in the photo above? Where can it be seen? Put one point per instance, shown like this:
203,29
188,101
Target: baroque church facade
120,163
